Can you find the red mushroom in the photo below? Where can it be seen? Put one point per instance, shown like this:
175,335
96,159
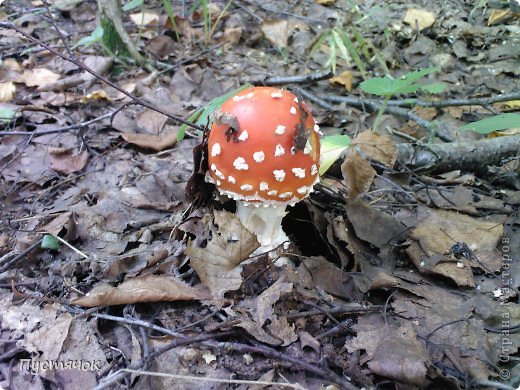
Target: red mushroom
264,153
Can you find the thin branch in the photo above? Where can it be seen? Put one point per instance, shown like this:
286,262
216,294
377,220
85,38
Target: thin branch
283,80
81,65
57,130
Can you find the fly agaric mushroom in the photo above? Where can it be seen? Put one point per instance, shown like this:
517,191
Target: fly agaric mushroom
263,152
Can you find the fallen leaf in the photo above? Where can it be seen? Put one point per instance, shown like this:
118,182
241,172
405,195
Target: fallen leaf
227,243
358,174
419,17
376,147
151,141
345,79
7,91
95,97
150,288
39,77
68,162
498,16
144,18
325,2
277,32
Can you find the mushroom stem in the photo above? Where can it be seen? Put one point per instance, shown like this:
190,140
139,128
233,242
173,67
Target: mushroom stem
264,222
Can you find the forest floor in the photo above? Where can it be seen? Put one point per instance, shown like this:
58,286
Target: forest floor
403,269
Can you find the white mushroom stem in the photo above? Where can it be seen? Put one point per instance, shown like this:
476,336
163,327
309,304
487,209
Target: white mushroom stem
264,222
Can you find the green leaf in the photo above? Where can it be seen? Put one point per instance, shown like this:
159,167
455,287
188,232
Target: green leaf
385,86
433,87
94,37
331,148
200,116
133,4
50,242
494,123
6,114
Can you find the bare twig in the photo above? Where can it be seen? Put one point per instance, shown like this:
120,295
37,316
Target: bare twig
81,65
283,80
57,130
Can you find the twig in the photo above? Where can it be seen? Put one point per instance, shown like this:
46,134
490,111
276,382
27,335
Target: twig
278,385
9,263
336,310
283,80
57,130
99,77
458,102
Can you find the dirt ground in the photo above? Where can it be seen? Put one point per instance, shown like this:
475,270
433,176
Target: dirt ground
403,264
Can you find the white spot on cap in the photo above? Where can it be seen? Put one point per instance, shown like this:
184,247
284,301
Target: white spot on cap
231,179
285,195
243,136
295,99
213,167
302,190
277,94
279,151
264,186
272,192
314,169
308,148
292,110
280,129
316,128
250,95
299,172
237,98
246,187
240,164
293,150
279,174
259,156
210,179
215,150
218,183
219,174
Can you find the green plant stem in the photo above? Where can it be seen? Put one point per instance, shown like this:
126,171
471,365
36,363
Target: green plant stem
380,112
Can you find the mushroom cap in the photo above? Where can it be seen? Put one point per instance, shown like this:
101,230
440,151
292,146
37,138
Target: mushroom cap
252,155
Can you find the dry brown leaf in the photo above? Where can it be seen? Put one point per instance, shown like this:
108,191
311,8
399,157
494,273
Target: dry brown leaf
376,147
344,79
419,17
228,244
67,162
151,141
39,77
145,18
7,91
95,96
150,121
150,288
443,229
325,2
358,174
499,16
427,113
277,32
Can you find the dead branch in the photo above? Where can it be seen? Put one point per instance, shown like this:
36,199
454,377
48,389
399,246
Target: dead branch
473,156
84,67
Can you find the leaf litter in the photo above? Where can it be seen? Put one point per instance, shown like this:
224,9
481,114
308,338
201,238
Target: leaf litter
392,275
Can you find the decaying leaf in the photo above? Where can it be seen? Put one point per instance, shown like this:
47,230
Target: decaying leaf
277,32
151,141
68,162
393,351
345,79
420,18
39,77
150,288
227,244
358,174
443,229
145,18
377,147
7,91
